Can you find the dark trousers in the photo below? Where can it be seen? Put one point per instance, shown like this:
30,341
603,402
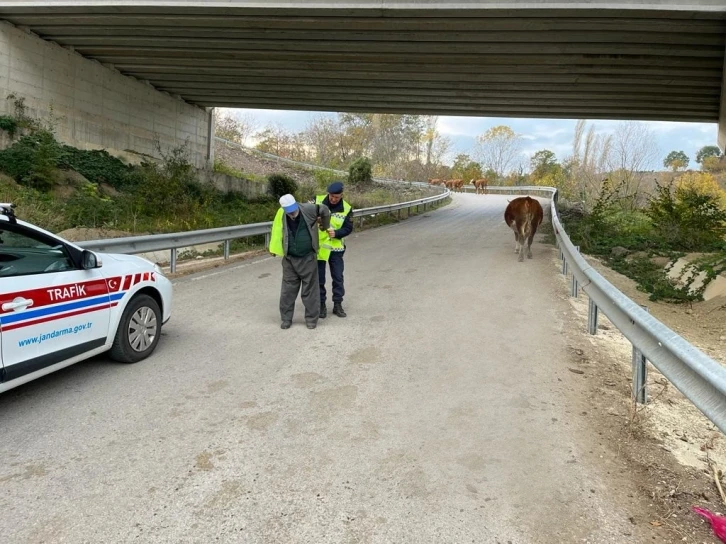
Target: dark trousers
336,271
297,271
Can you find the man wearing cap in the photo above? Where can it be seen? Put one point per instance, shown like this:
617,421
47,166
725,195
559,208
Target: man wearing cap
333,238
294,237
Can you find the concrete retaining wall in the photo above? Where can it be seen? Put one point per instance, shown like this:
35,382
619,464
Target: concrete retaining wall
95,107
223,182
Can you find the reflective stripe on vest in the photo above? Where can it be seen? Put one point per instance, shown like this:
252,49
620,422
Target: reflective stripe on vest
328,244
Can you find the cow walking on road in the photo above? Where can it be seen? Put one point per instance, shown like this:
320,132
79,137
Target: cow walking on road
523,215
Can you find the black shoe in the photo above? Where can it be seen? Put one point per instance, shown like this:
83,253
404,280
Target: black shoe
286,324
338,309
312,325
323,311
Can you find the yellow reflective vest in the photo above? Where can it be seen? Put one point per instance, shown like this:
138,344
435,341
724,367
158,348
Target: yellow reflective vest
328,244
276,234
277,238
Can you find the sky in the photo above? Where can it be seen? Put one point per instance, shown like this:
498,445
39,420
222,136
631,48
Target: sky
553,134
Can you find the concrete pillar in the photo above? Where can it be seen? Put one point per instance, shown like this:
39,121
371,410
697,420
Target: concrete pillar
210,138
722,114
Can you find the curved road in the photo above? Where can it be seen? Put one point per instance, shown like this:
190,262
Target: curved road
439,411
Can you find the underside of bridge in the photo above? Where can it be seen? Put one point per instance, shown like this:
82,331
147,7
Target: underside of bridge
583,60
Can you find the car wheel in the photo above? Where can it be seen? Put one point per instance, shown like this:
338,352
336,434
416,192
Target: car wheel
139,330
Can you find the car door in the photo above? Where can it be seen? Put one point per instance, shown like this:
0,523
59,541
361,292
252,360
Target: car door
50,308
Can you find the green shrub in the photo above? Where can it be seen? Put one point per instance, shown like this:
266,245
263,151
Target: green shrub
608,226
688,220
9,125
652,278
88,208
280,184
360,172
32,159
97,166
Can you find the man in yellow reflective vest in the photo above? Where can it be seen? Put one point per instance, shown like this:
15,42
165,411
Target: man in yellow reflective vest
294,237
341,225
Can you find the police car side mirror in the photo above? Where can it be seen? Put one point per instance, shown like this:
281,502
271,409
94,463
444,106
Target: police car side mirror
89,260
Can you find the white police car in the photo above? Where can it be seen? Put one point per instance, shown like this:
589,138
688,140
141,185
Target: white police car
60,304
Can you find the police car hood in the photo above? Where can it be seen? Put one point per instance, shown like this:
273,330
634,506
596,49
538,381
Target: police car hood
127,260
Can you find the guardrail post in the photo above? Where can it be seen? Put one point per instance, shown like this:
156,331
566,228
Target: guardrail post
267,240
575,285
172,261
226,250
399,214
640,374
564,266
592,317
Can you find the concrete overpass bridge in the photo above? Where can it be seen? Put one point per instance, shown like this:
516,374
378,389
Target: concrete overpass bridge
648,60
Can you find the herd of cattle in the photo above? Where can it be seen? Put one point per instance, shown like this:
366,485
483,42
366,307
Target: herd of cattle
457,185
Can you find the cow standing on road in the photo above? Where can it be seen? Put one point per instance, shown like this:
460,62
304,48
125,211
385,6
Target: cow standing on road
523,215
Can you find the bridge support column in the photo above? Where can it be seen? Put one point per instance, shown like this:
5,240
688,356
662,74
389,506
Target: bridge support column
722,114
210,138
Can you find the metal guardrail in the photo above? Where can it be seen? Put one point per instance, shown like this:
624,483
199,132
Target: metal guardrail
699,377
173,241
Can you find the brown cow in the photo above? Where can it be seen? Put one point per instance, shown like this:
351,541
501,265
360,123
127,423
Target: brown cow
480,184
436,182
523,215
455,185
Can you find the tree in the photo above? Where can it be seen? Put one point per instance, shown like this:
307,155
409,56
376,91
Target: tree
436,145
277,141
634,149
234,127
714,164
543,162
701,183
706,152
590,156
466,169
325,138
675,160
498,148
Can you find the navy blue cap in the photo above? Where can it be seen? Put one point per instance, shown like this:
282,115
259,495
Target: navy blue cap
335,188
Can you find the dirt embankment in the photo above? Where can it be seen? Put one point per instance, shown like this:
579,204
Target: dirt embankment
670,447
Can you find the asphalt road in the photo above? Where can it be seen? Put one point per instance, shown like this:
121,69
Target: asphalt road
440,410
